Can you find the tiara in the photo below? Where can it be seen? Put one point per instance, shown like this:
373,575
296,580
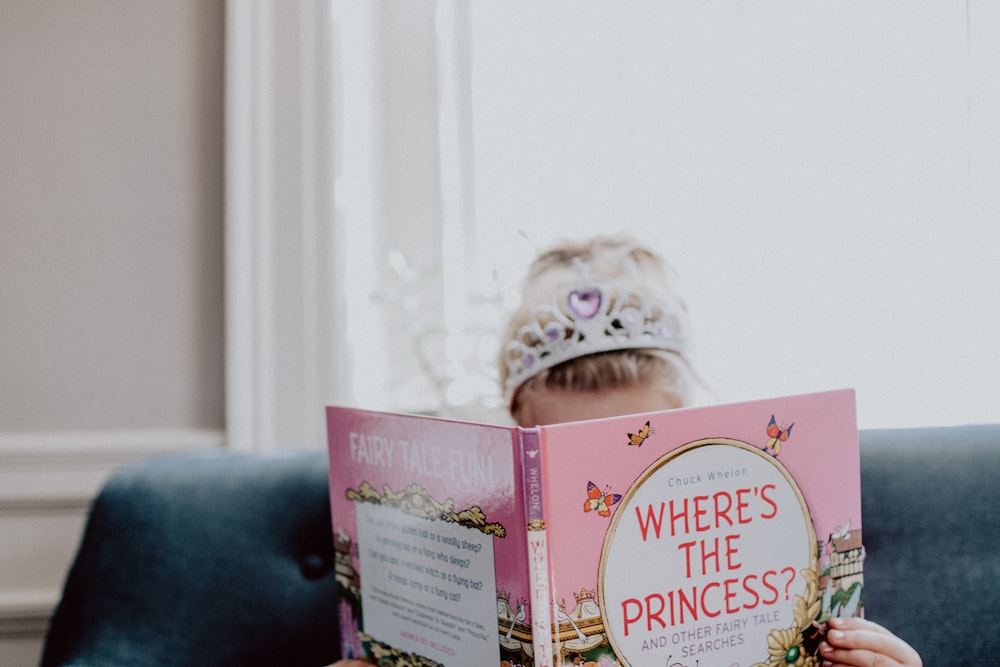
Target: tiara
591,317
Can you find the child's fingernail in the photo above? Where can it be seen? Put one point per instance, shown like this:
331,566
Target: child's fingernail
836,634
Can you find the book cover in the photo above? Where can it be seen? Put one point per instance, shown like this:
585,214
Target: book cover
723,535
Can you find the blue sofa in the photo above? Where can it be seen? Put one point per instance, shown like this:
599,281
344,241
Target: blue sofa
226,559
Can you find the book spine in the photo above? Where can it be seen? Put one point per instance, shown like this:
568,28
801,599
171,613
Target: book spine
538,562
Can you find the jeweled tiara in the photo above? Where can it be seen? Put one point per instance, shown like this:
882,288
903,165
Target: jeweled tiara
590,317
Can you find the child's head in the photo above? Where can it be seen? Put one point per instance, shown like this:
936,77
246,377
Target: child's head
600,331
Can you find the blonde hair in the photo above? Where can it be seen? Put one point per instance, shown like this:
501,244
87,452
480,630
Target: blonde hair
634,267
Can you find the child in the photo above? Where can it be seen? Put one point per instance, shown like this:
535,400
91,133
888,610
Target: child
600,323
601,331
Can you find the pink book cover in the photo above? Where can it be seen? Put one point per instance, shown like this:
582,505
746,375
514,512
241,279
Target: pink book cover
724,535
429,538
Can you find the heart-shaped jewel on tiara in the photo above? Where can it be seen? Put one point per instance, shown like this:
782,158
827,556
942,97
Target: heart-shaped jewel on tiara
591,319
585,302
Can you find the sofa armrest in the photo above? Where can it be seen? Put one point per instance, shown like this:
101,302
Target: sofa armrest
930,502
204,560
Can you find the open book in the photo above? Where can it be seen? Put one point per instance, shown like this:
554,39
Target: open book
724,535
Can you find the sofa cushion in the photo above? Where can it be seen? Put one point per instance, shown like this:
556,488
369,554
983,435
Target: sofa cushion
204,560
930,502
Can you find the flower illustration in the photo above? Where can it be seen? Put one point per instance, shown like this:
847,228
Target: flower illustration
785,645
416,501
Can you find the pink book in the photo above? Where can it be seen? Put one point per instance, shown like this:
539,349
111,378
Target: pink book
725,535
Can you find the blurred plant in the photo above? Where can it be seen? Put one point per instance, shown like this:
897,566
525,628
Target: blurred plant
444,371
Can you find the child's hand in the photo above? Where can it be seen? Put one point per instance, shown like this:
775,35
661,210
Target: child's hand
855,642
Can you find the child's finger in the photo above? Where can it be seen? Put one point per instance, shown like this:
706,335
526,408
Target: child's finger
862,643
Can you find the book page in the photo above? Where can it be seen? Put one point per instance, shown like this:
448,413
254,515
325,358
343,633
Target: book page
430,540
429,587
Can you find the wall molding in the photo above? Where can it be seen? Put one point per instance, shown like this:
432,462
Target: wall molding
53,477
64,470
282,317
26,614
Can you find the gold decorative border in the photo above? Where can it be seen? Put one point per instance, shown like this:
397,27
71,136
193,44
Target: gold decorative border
384,654
416,501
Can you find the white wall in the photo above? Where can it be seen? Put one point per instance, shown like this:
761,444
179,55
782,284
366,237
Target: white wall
111,267
823,175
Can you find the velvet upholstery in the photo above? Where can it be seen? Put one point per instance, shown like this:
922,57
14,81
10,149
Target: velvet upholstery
931,512
210,560
225,559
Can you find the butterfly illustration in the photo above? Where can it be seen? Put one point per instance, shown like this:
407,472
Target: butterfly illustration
776,435
599,501
636,439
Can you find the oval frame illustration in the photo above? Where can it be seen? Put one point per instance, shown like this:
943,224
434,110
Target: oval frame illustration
718,566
